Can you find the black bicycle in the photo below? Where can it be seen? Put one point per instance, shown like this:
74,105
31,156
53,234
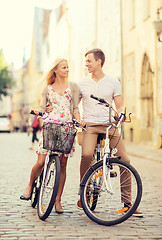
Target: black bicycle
56,138
110,183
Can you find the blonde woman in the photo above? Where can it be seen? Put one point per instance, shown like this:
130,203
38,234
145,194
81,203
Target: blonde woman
63,98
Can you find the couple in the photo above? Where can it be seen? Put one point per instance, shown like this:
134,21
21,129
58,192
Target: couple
63,98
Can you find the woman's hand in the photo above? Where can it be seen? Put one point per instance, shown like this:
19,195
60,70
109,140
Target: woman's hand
49,108
82,123
36,111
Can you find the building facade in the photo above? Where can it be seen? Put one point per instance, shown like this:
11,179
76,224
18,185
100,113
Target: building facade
124,31
142,55
27,92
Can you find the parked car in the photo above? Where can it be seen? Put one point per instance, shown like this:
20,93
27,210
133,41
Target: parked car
5,125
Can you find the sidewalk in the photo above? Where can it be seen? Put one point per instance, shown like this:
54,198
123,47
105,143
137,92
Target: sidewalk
144,151
19,221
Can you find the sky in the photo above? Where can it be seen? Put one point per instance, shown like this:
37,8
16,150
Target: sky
16,27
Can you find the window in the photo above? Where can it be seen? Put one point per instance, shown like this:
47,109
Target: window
146,94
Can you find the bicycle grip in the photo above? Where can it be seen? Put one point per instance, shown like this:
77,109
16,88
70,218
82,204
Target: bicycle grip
40,113
92,96
101,100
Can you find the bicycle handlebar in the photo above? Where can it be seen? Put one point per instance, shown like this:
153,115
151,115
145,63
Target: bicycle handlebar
74,121
118,119
78,124
101,100
40,113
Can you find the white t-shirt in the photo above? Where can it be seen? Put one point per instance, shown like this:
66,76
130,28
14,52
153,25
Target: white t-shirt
106,88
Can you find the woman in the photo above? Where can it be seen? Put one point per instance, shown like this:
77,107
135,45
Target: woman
63,97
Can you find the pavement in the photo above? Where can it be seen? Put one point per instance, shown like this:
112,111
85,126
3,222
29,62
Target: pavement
144,151
19,221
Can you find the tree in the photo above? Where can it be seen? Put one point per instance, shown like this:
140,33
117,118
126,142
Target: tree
6,79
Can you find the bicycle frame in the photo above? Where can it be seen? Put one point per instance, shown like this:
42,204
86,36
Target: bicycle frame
108,153
45,166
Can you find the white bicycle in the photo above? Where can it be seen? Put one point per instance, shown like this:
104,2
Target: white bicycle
110,183
56,138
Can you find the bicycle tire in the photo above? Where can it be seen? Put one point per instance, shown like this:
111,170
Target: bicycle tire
94,196
48,189
93,199
34,194
109,208
35,190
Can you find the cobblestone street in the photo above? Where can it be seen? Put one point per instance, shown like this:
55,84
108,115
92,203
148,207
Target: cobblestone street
19,221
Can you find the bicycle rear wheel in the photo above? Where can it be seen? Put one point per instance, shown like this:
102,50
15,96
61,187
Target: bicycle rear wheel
107,208
49,187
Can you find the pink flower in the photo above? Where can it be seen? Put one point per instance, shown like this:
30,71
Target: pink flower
53,119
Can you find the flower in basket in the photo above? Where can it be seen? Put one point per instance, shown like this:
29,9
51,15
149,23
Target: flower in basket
53,119
52,128
66,129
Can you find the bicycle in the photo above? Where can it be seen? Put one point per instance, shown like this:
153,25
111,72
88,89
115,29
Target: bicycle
105,185
56,138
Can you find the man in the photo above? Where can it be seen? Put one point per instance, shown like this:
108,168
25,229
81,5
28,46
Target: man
97,116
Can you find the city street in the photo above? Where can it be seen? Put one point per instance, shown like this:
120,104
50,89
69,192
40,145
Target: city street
18,220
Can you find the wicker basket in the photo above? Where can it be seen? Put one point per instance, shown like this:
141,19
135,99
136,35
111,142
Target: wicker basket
59,137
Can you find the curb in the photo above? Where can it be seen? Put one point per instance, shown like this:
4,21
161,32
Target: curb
145,157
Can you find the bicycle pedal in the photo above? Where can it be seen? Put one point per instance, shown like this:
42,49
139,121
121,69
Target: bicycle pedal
113,174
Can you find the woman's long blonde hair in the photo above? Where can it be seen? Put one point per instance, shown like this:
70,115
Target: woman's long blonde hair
50,77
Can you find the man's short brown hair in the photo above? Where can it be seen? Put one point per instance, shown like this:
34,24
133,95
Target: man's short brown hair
98,54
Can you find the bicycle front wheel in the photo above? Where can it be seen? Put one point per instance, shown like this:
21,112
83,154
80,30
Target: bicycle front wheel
107,207
35,190
34,195
49,187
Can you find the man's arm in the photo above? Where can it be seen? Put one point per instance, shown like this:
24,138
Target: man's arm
119,104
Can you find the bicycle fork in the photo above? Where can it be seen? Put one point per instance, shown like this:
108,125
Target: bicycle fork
45,168
106,170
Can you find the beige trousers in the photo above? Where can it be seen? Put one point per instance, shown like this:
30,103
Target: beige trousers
89,141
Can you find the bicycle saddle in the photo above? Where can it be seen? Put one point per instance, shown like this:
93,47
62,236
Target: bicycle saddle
100,138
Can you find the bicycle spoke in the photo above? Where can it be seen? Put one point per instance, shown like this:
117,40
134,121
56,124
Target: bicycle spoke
49,188
106,208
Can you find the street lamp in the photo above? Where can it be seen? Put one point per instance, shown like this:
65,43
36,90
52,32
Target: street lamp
158,25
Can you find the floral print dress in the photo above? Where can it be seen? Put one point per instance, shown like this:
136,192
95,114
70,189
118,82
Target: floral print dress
61,108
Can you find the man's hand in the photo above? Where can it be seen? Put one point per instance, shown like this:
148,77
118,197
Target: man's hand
118,117
122,115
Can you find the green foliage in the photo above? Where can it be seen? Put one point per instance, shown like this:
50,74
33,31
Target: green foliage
6,79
